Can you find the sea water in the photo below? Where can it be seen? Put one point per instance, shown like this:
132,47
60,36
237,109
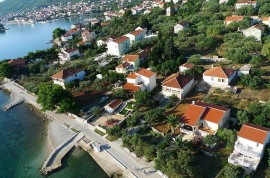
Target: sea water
24,148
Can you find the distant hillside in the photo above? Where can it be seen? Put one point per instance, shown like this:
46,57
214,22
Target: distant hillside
9,6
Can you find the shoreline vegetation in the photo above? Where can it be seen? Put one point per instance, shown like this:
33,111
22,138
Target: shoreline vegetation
54,139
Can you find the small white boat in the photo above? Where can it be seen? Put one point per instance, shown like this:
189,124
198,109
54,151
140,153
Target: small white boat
96,147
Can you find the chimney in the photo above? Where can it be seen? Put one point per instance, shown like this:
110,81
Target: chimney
193,102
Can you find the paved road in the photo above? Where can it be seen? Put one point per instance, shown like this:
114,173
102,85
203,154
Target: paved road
114,148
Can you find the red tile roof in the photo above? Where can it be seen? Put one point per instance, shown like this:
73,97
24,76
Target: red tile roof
67,35
245,2
222,108
120,39
85,33
72,31
16,62
63,74
188,65
265,18
221,72
254,133
192,114
124,65
115,103
146,73
131,87
70,50
137,32
177,81
203,111
234,18
132,75
131,58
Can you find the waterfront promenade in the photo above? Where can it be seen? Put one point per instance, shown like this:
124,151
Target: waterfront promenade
115,149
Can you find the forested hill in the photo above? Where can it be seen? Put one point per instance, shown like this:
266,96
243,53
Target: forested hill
9,6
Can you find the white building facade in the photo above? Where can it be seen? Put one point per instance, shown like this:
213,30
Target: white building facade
68,75
178,85
136,36
219,77
249,147
119,46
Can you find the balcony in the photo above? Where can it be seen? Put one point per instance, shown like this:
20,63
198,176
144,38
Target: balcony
247,150
241,160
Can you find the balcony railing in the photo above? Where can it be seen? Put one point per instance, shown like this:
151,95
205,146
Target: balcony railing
243,161
246,150
186,131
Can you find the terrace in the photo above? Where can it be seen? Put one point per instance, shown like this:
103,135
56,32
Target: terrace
239,159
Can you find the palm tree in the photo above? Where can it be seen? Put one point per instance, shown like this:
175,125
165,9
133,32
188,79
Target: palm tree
172,121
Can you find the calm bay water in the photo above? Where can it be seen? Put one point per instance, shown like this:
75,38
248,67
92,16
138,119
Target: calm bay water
23,148
23,38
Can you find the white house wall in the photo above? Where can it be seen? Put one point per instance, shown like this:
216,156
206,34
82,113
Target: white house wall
210,125
254,145
187,88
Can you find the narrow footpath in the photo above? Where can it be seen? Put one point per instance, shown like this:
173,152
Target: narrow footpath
131,164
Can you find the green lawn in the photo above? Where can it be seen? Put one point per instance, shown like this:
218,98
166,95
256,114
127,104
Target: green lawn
99,132
129,105
124,111
111,138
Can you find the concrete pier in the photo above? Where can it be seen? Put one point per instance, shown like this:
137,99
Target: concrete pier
55,159
13,103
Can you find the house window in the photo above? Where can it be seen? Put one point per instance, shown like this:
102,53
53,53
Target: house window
212,78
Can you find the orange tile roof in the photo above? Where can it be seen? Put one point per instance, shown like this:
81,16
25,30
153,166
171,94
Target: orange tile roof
120,39
254,133
146,73
188,65
245,2
67,35
131,58
177,81
234,18
72,31
213,115
203,111
85,32
18,61
203,104
192,114
63,74
131,87
70,50
123,65
220,72
81,43
265,18
137,32
132,75
115,103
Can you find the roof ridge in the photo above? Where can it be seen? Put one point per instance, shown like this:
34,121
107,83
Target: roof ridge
216,109
247,124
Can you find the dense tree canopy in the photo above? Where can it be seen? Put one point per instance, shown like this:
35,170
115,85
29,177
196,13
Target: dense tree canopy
6,70
51,95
